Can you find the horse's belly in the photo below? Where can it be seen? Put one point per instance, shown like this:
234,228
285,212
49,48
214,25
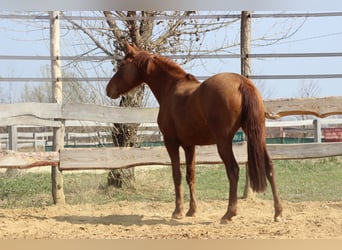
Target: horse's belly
196,137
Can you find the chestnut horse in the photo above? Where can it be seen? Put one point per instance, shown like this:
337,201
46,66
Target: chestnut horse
193,113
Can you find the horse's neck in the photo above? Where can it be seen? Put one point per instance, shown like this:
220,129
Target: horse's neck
162,87
164,78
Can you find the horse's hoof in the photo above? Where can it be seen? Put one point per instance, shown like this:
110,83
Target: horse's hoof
226,220
177,216
278,219
278,216
191,213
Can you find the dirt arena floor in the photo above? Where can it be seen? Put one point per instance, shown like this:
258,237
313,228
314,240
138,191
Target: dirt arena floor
151,220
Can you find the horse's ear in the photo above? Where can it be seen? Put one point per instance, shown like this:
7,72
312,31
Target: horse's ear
130,49
135,47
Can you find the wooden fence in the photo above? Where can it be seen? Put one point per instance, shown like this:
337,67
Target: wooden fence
54,115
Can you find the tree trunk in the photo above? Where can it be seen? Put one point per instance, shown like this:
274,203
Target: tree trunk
124,135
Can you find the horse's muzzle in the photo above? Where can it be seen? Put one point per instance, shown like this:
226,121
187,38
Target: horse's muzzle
112,93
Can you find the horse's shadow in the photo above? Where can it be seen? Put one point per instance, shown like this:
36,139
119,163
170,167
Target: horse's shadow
122,220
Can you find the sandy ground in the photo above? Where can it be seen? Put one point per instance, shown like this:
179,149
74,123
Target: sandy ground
151,220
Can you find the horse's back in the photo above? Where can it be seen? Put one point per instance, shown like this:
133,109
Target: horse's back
226,90
222,90
225,81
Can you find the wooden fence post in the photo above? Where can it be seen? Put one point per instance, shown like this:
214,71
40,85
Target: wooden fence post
12,145
58,133
318,130
12,137
245,43
245,49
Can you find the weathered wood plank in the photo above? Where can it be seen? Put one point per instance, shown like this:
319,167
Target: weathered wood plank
92,112
304,151
41,110
320,107
28,120
24,160
108,158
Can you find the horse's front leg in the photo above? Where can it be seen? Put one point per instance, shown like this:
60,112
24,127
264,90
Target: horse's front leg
173,150
190,178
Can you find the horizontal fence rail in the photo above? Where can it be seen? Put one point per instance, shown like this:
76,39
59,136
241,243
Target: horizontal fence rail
179,56
164,17
73,159
111,158
320,107
200,78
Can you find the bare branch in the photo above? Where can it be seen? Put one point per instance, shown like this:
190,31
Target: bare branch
132,27
172,29
115,30
92,38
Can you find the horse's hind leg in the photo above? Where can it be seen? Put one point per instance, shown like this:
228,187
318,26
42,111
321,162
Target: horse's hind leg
190,178
271,178
225,150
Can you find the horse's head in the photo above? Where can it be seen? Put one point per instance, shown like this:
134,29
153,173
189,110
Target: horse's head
128,74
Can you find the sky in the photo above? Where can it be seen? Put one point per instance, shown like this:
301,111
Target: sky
317,34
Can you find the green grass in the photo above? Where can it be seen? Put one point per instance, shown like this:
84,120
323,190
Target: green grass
319,180
304,180
25,190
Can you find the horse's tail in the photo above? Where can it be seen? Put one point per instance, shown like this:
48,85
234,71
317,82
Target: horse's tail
253,124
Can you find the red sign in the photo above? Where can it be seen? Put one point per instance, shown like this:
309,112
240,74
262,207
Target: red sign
333,134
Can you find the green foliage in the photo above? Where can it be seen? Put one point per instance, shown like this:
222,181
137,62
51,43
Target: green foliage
304,180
